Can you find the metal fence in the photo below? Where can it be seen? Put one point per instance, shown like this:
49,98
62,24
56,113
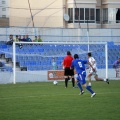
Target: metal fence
63,34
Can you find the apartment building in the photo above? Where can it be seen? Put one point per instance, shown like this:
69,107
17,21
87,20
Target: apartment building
4,13
96,13
65,13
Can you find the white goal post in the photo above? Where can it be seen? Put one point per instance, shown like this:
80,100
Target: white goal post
67,44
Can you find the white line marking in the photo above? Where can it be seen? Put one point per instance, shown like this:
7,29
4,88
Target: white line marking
40,95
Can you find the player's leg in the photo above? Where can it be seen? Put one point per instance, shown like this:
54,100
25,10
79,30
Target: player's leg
101,79
66,81
80,87
89,89
72,76
77,81
73,82
83,82
89,79
66,76
98,79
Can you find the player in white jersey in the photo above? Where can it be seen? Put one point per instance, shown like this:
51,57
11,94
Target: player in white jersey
91,72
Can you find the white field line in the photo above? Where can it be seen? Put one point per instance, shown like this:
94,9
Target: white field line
47,95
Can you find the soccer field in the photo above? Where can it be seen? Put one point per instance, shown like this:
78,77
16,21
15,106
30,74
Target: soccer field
45,101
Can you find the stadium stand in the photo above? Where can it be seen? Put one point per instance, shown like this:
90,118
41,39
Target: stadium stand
29,58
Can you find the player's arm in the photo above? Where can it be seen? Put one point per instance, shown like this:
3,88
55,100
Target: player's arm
63,64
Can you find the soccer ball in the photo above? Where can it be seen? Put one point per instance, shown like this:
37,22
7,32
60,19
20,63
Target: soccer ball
55,82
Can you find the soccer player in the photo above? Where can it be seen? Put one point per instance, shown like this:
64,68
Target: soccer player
79,65
67,71
116,66
91,72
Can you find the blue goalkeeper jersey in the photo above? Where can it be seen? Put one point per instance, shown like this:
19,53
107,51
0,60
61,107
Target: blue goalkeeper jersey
79,65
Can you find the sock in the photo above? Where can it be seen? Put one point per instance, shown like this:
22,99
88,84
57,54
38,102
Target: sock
73,82
104,79
66,82
89,89
89,84
79,85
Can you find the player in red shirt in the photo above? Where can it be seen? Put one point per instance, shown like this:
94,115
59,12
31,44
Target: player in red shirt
67,71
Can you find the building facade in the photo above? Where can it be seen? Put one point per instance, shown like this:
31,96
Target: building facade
4,13
96,13
45,13
65,13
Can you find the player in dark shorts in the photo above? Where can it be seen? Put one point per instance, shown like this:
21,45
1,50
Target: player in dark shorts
68,73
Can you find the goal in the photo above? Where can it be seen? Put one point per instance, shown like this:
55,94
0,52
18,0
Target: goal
33,62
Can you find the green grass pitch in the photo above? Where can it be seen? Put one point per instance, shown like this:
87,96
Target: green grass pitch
45,101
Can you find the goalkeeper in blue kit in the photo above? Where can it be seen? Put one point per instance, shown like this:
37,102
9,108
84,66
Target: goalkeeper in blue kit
79,65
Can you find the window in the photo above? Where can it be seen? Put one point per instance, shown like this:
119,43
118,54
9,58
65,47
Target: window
97,15
3,2
86,13
105,15
70,13
76,13
92,14
81,13
112,15
118,15
3,9
3,16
